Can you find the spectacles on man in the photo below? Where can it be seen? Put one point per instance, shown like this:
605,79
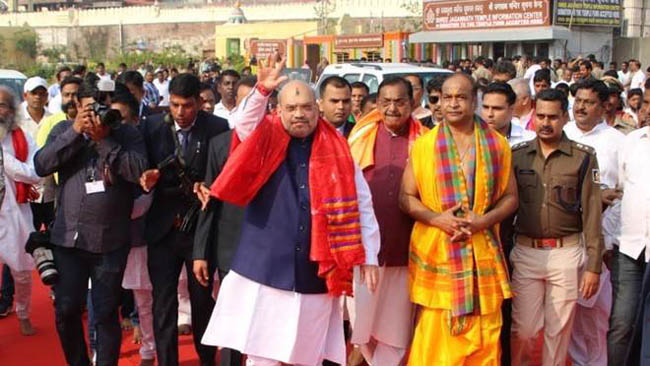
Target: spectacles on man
434,99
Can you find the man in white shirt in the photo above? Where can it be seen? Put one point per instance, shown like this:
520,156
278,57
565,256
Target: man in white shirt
32,113
101,72
629,260
226,88
162,85
637,75
530,74
497,110
588,345
624,75
523,112
53,92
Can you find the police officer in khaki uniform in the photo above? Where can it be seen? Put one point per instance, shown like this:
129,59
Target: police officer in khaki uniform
559,210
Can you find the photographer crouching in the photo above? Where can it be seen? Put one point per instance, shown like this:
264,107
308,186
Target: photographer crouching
99,162
177,144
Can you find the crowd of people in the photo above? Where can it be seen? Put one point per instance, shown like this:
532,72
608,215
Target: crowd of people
490,215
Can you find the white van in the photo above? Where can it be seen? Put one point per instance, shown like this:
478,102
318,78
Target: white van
372,74
14,80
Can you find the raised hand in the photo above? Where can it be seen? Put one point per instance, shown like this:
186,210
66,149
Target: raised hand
270,72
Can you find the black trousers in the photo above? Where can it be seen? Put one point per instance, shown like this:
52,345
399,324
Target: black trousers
105,271
166,259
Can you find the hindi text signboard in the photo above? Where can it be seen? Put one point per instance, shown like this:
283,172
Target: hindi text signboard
263,48
359,41
485,14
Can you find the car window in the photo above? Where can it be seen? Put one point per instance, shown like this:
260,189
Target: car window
351,78
371,81
16,85
426,76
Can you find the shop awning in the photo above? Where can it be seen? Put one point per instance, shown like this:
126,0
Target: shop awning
491,35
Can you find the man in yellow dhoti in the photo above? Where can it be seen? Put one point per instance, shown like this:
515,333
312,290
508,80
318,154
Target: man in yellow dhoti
458,186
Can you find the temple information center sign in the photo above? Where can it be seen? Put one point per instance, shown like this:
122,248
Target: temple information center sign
485,14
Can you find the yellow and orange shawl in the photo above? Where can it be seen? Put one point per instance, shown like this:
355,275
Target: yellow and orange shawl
364,134
431,282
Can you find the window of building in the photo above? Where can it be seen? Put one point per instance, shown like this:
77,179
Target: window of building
373,56
342,57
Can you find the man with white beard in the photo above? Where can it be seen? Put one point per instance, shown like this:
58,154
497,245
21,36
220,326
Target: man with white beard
18,150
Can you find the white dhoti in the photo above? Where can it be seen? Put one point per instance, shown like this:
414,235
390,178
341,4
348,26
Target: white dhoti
278,325
588,345
16,222
136,278
136,273
382,321
184,306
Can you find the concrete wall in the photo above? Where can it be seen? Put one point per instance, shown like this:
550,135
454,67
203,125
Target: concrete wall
636,13
584,41
214,14
102,32
105,41
628,48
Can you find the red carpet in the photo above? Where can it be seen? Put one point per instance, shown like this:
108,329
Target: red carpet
43,349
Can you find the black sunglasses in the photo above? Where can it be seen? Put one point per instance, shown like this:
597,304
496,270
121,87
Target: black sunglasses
433,99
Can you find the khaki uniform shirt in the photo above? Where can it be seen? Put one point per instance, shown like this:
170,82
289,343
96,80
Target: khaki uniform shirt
554,201
482,72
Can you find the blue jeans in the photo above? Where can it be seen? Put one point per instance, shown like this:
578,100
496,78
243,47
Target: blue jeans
105,271
627,277
92,333
7,287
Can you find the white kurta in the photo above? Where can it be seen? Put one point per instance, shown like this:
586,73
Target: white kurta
276,324
16,219
136,274
386,315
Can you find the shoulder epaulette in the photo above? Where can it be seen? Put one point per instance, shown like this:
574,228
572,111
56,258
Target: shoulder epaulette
582,147
520,145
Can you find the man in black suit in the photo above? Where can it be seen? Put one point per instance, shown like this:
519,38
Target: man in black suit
335,103
177,145
219,224
98,169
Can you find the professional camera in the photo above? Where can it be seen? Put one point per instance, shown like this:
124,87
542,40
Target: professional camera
39,247
108,116
186,187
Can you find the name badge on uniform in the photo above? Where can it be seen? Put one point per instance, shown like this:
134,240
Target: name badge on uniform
96,186
595,176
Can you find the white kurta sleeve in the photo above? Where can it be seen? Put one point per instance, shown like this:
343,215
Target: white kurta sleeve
249,113
369,226
141,205
19,171
622,155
